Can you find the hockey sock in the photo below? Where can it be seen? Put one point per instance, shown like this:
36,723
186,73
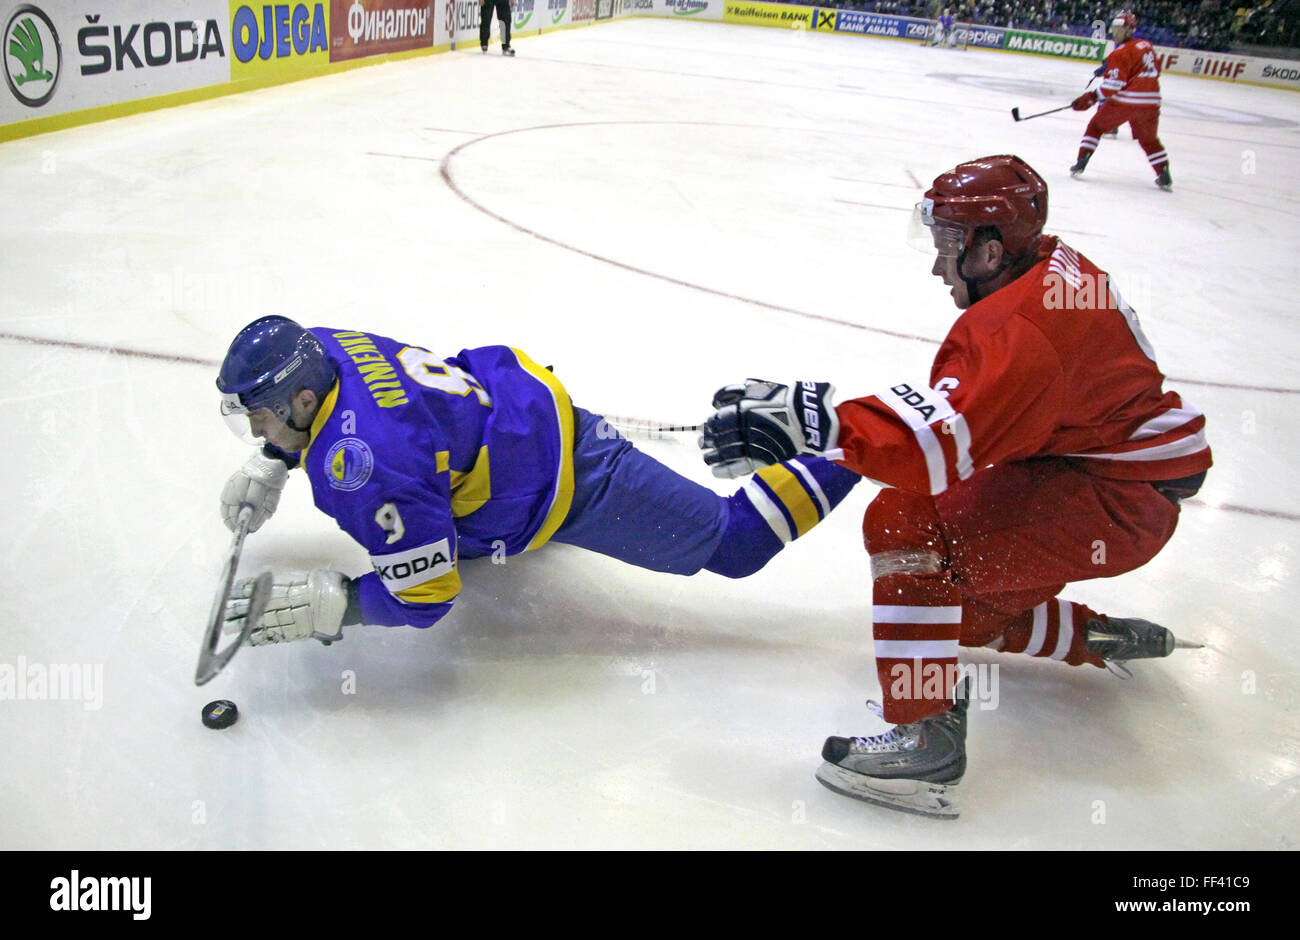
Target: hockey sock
1039,632
777,505
916,621
1151,145
916,610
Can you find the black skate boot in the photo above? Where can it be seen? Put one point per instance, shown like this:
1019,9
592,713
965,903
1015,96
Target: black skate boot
1165,181
1118,640
484,48
507,49
1078,168
914,767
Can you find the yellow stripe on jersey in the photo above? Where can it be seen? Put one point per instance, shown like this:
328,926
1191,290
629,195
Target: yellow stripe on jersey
437,591
472,488
443,458
323,415
787,488
563,497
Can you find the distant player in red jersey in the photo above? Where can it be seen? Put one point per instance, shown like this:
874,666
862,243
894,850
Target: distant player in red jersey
1041,449
1129,93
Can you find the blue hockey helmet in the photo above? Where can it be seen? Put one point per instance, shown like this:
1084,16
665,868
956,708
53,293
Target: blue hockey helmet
268,363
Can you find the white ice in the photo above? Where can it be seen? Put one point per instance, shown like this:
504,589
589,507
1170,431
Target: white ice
649,206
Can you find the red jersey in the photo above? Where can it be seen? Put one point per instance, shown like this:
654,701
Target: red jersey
1132,75
1053,364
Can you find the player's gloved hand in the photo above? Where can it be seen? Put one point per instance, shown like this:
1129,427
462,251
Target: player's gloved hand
302,605
257,483
759,423
1084,101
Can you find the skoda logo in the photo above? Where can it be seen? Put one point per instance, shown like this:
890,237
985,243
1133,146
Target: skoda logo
32,55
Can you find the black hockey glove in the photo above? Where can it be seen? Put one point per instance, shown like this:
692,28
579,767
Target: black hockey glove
759,423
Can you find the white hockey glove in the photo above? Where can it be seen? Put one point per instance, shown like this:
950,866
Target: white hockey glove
301,606
258,484
759,423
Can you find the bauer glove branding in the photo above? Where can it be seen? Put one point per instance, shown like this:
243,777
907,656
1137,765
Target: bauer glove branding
760,423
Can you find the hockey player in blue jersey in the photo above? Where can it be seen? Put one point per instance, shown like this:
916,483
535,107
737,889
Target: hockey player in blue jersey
427,462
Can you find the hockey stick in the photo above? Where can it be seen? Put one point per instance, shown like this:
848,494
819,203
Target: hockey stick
211,661
1015,112
646,430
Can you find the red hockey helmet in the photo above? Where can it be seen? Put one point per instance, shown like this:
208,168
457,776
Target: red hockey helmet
1001,191
1125,19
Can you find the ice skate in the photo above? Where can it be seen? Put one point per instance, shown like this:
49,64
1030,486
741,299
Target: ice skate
1077,170
1165,181
1116,640
914,767
484,48
507,50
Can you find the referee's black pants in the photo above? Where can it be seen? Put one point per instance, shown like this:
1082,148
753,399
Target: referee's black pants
485,21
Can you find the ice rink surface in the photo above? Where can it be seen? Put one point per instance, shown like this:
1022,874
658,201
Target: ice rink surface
656,208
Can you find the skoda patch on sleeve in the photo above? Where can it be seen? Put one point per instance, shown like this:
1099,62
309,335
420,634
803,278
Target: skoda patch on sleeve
411,568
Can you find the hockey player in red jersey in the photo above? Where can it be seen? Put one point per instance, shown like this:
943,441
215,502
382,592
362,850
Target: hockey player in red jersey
1129,94
1041,449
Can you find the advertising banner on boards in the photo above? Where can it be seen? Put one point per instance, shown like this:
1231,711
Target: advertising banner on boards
360,28
62,56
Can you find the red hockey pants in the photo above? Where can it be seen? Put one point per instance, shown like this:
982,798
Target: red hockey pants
981,564
1143,119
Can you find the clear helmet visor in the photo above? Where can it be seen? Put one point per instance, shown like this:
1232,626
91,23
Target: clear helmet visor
238,419
932,236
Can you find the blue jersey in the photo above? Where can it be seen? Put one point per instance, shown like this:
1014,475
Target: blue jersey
425,461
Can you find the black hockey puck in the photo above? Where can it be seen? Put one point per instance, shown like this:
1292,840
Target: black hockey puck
220,714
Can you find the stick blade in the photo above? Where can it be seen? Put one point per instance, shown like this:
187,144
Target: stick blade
212,660
1015,113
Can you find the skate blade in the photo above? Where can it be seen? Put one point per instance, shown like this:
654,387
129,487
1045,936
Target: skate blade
935,800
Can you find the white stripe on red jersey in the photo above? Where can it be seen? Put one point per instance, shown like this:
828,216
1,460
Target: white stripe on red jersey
922,408
1132,75
1168,421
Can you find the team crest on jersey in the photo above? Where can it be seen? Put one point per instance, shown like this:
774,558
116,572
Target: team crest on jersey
349,463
